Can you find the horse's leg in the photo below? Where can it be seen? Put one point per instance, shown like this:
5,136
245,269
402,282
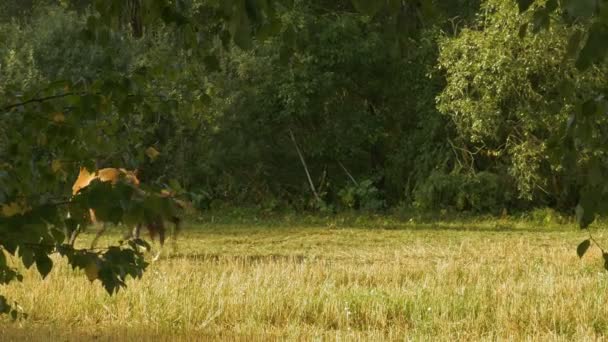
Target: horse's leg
98,235
177,226
134,234
160,226
136,230
73,236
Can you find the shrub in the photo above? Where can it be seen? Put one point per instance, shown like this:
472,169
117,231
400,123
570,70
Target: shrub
364,195
482,192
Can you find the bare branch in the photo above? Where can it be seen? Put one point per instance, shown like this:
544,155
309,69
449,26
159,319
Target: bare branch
36,100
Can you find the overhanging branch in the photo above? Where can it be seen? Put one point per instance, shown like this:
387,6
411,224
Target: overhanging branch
37,100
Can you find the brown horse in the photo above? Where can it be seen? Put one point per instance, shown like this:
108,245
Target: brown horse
154,223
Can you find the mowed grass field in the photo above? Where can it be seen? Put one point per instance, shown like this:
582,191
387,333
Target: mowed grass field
336,279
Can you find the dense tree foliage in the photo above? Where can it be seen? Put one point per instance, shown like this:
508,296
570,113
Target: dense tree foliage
582,147
290,104
511,96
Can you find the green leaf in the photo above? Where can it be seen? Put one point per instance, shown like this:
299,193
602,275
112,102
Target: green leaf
92,270
595,48
108,280
523,30
134,214
4,306
44,264
7,275
10,246
71,224
27,256
79,259
212,64
368,7
589,108
116,264
580,8
587,207
540,20
254,9
240,28
58,235
574,44
272,27
135,243
595,174
169,15
524,5
582,248
551,5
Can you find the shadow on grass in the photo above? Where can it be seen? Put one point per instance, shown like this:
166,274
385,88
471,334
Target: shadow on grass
244,259
12,332
239,228
230,222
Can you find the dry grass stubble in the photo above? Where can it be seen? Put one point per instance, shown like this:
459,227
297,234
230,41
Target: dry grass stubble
260,283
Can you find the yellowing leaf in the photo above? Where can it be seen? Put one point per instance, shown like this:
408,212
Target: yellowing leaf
56,165
58,117
152,153
42,139
13,209
92,271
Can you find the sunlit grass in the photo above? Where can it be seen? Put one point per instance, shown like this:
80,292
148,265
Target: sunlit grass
336,278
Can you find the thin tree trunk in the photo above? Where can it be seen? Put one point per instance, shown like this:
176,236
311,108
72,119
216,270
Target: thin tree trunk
348,174
135,17
310,182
